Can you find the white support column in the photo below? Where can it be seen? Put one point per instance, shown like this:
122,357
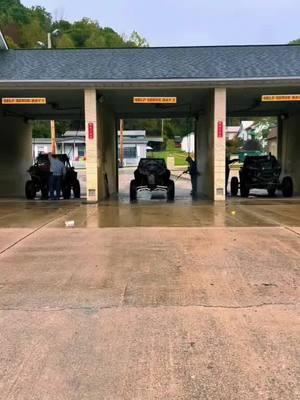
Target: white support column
92,150
219,143
290,159
211,146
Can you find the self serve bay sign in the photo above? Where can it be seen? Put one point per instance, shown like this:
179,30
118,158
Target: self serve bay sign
23,100
155,100
280,97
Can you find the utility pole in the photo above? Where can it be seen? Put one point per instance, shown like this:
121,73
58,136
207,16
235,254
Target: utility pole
53,137
49,40
121,142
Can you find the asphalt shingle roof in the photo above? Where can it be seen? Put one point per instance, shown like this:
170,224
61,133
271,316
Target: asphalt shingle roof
229,62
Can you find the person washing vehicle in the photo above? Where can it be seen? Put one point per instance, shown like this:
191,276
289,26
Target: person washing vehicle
57,172
193,171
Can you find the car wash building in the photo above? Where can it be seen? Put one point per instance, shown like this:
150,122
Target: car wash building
102,86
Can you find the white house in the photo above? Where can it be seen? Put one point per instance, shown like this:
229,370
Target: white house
72,143
272,142
135,147
232,132
245,130
188,143
40,146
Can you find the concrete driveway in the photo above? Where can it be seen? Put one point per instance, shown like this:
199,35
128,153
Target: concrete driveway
149,301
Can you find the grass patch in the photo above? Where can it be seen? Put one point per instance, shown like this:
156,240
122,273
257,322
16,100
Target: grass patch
171,151
179,156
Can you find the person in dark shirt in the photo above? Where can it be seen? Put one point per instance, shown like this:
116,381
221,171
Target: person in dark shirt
193,171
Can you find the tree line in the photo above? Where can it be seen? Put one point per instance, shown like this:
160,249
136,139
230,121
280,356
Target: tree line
27,27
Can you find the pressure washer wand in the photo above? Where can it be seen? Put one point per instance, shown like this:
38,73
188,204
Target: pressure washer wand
179,176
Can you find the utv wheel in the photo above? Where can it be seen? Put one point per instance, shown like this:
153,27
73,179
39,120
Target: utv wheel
76,189
171,191
271,192
244,190
234,186
133,190
30,190
287,186
67,192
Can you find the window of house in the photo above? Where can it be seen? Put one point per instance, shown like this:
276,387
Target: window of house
130,152
81,150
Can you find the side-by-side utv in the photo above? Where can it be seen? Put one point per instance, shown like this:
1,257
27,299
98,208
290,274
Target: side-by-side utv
39,182
152,175
261,172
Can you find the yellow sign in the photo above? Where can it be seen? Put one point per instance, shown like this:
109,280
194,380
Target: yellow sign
24,100
155,100
281,97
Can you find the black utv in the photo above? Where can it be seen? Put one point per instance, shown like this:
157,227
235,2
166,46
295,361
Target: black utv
261,172
40,172
152,175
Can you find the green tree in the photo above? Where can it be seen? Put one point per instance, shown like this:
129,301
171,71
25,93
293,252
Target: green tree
41,129
65,42
41,14
10,42
32,33
169,128
234,145
96,40
13,10
112,38
82,30
26,26
297,41
138,40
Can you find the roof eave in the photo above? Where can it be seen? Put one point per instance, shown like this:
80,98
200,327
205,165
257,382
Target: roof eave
141,83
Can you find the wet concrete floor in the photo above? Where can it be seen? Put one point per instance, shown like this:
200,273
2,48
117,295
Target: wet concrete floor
151,213
155,300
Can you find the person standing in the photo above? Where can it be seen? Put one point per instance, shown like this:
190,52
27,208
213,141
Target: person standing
193,171
57,172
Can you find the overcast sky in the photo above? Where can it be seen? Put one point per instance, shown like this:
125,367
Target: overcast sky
188,22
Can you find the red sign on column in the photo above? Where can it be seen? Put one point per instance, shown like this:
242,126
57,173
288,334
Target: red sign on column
91,130
220,129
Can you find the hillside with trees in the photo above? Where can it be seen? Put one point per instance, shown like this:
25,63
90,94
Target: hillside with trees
27,27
